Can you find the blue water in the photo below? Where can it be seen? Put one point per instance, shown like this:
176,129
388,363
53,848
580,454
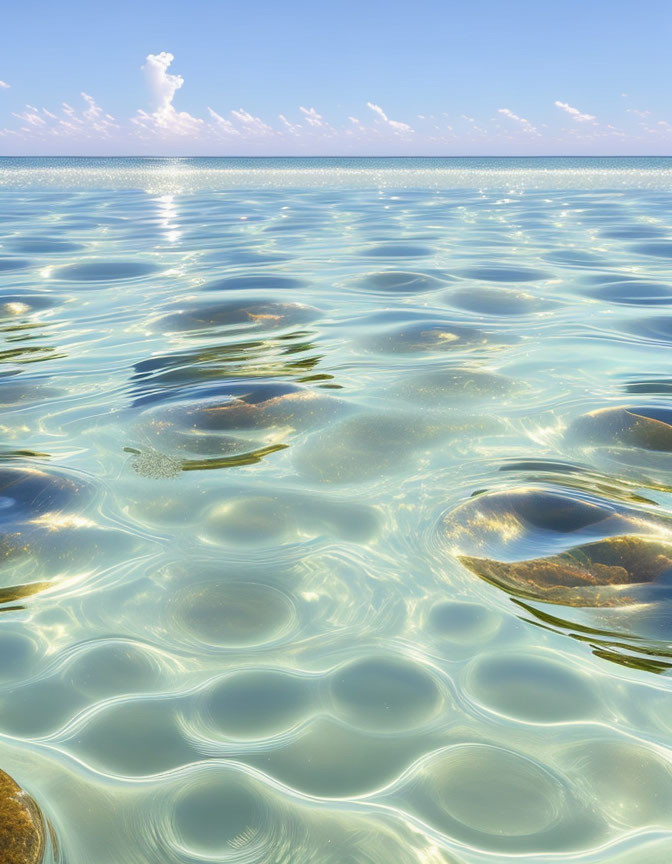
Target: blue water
183,175
335,506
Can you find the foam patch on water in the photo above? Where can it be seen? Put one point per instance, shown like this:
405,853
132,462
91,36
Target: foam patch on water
155,465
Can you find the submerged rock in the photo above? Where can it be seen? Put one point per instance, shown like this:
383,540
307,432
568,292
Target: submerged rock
648,427
429,337
442,387
42,530
612,563
256,314
587,575
634,442
237,426
559,546
398,282
260,406
22,828
497,301
238,408
30,492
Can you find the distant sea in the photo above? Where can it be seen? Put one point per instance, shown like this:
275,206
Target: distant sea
192,174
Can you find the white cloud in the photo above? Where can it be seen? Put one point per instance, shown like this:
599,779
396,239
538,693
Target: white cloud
90,122
312,117
292,128
83,124
164,86
69,110
508,113
638,112
221,124
30,116
165,119
378,110
396,125
523,122
96,117
4,85
574,112
252,125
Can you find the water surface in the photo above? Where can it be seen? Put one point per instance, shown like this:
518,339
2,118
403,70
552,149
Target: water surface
335,505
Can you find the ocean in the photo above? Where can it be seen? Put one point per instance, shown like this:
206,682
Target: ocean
335,506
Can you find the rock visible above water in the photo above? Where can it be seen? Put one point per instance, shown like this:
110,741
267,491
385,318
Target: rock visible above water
22,833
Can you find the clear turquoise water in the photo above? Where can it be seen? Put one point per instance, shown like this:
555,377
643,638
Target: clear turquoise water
335,506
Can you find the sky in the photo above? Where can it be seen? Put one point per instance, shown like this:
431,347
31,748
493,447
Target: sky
353,77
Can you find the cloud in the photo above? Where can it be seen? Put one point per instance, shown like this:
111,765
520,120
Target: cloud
165,119
221,124
96,117
312,117
292,128
396,125
91,122
508,113
161,127
252,125
31,116
639,112
164,86
4,85
574,113
523,122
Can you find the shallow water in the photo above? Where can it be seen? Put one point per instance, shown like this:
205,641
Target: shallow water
335,505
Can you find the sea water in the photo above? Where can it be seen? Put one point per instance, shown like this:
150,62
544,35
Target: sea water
335,507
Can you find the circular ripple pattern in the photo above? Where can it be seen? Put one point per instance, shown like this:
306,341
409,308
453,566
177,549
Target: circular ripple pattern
236,614
335,510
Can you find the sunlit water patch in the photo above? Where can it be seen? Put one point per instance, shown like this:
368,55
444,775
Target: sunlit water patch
335,510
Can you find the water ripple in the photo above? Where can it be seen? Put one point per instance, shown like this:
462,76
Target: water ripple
423,615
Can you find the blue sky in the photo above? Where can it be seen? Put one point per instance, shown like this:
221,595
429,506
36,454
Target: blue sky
366,77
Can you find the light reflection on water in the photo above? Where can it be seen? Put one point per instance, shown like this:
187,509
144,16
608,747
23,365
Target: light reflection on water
337,521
